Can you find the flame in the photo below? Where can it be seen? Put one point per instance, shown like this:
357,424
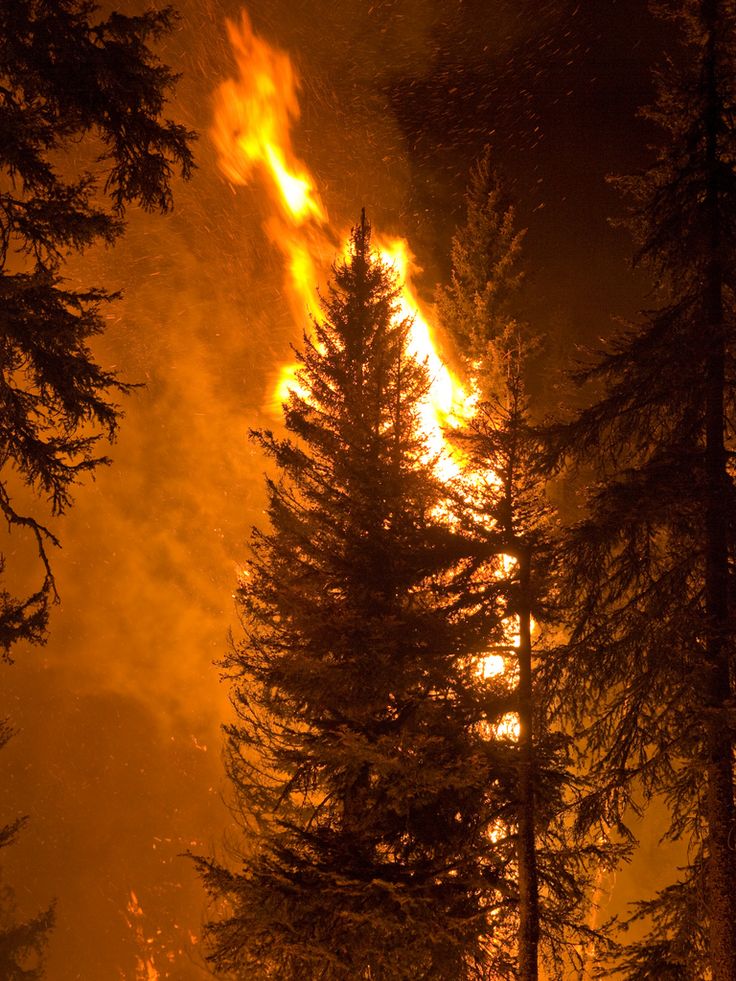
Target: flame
145,968
253,119
254,116
491,666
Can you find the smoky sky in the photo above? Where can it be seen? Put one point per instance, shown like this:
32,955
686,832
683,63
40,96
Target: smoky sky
117,754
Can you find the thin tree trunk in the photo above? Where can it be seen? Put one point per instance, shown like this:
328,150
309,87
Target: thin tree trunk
721,881
526,847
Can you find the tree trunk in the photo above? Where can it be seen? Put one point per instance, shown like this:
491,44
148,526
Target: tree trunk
717,682
526,847
721,871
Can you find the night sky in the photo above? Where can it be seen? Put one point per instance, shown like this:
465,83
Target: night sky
117,758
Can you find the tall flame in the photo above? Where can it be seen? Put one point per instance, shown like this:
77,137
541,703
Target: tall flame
254,115
253,118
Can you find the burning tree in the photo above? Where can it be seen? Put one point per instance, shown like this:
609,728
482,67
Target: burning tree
507,508
358,759
651,567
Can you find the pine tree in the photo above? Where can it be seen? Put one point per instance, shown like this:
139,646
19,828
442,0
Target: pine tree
22,942
651,566
73,86
358,759
506,505
485,275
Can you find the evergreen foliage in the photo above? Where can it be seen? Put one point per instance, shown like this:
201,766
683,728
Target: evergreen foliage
485,276
675,947
81,98
22,944
506,506
650,568
358,758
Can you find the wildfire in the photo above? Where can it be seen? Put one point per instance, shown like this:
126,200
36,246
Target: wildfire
253,118
252,133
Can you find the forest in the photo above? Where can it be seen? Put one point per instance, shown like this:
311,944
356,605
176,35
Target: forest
367,405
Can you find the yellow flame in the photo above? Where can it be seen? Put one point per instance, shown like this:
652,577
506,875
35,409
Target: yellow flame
449,402
296,190
287,382
145,968
253,119
491,666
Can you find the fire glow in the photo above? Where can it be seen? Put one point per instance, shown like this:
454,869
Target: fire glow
252,133
253,116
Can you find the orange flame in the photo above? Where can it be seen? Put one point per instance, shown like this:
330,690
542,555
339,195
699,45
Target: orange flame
253,118
254,115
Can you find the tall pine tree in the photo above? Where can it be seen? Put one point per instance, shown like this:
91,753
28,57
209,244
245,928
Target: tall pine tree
650,569
358,758
506,507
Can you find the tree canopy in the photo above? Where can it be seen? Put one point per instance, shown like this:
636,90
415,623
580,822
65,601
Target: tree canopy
81,103
650,568
505,505
359,758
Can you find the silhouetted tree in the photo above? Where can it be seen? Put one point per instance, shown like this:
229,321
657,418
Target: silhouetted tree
81,98
485,276
22,942
507,507
651,567
359,758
